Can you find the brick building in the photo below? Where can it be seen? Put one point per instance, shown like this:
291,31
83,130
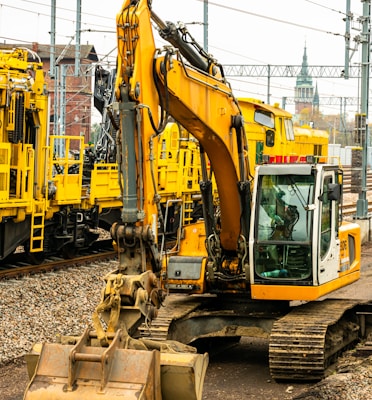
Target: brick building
70,111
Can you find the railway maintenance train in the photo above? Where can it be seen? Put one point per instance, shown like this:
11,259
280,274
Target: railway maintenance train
279,237
45,205
52,201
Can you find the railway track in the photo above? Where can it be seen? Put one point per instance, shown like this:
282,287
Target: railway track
350,197
349,210
19,266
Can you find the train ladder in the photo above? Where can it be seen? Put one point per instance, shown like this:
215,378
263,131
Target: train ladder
188,209
37,226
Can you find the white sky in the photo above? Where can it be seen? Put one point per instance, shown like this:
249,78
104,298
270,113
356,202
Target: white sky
239,32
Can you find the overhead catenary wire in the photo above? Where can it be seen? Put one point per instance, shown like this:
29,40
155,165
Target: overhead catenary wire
41,8
240,10
87,24
48,14
94,26
326,7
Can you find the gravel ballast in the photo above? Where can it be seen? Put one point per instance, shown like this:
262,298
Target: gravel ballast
40,307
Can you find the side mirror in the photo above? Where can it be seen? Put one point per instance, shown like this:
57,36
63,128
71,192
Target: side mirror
334,191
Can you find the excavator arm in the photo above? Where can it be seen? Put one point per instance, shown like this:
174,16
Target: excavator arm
209,111
186,83
137,105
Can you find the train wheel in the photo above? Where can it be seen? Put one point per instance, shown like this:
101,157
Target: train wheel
36,258
69,251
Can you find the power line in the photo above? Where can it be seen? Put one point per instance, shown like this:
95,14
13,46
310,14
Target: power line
65,9
323,6
15,40
272,18
48,15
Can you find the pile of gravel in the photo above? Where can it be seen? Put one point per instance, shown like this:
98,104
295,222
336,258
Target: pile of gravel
351,381
40,307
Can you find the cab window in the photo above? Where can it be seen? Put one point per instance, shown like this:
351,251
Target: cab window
289,132
326,219
265,118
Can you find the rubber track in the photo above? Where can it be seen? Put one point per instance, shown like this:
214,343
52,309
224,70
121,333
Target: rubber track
298,348
175,307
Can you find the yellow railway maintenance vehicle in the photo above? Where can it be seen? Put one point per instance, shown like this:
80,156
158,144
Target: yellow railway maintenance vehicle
279,242
23,114
45,205
273,138
55,190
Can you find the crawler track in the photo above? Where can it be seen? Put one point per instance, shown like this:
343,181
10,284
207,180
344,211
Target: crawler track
175,308
303,344
306,341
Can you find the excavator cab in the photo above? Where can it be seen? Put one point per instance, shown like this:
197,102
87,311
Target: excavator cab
297,233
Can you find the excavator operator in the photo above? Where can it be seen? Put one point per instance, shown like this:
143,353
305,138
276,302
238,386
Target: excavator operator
283,216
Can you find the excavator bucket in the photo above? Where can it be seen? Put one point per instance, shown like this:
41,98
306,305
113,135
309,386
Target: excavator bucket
182,375
82,372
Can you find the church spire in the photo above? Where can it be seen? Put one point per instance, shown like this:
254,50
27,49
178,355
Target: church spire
316,97
304,90
304,78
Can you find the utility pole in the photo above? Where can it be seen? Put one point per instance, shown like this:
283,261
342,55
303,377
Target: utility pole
52,40
62,104
53,68
268,84
347,40
362,202
77,36
205,25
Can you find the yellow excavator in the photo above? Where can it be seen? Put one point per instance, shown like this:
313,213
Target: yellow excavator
274,238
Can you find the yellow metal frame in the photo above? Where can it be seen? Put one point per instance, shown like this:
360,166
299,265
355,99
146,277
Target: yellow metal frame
18,201
69,185
104,189
178,174
4,171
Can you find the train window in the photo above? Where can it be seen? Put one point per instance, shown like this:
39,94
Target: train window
283,214
289,132
270,138
317,149
265,118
